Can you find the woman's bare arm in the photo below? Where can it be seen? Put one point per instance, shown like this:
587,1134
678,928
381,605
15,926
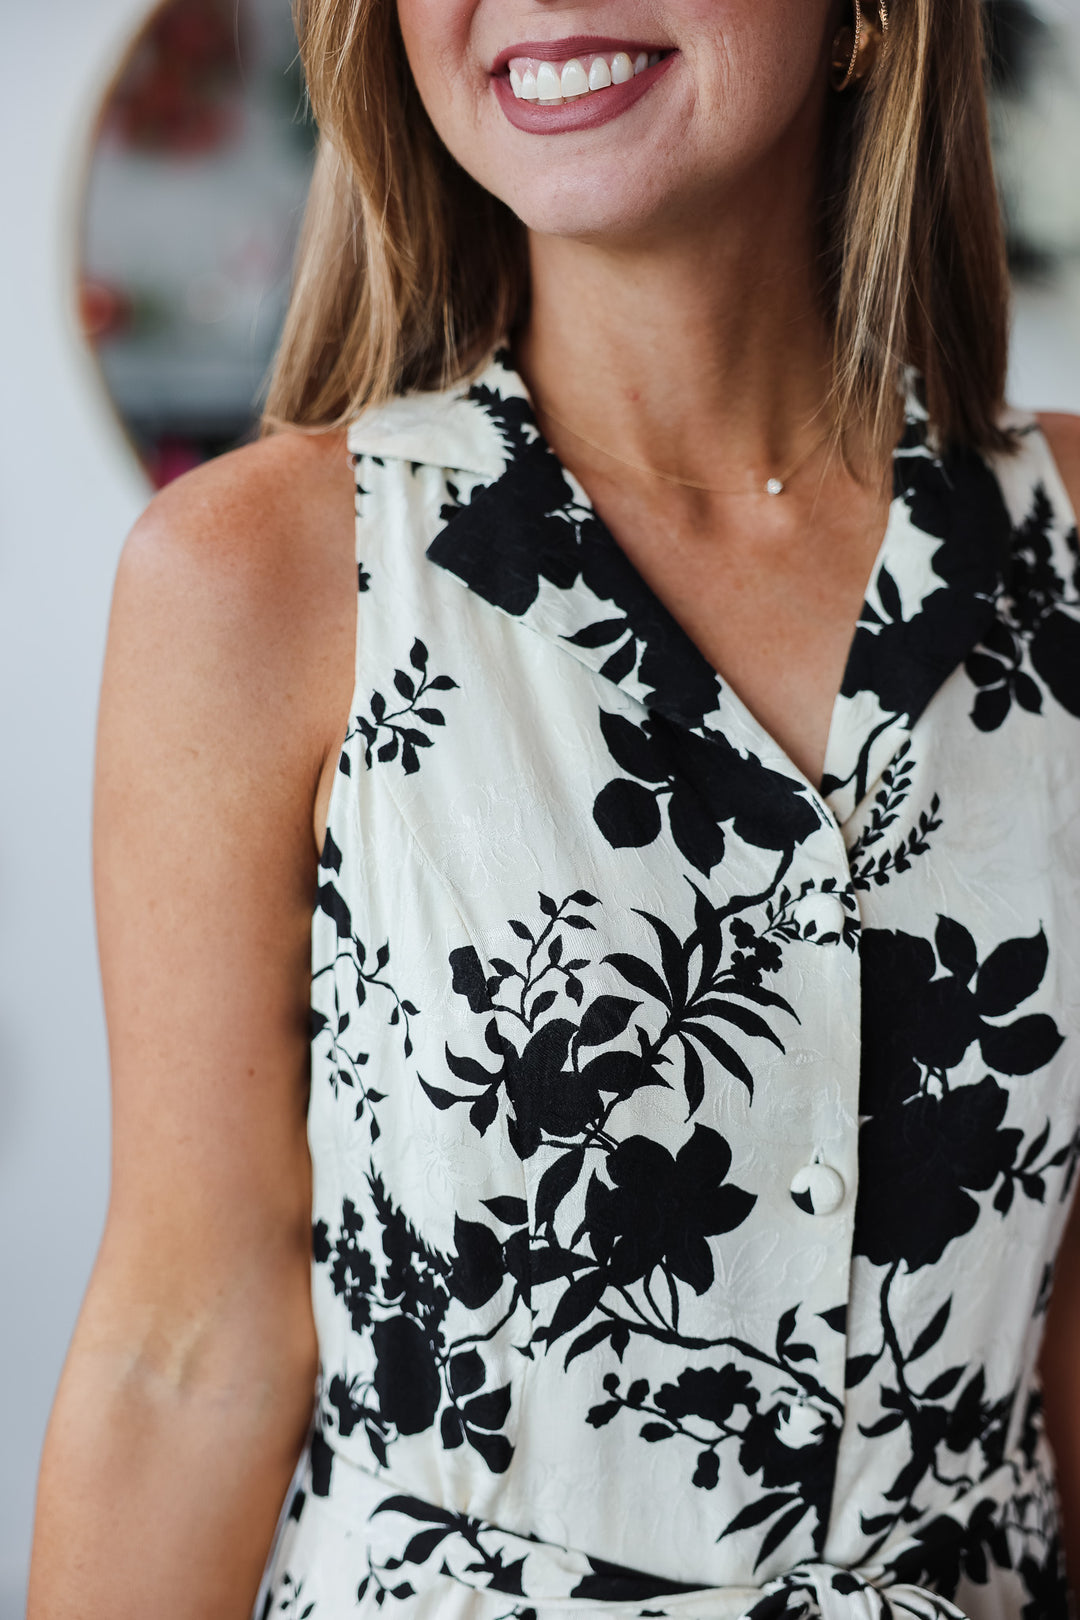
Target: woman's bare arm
187,1390
1060,1362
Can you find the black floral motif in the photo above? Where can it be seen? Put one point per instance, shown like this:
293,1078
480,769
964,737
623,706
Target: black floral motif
902,661
530,527
1038,621
556,1082
556,1194
401,737
925,1004
706,783
789,1444
398,1291
868,868
352,978
290,1604
912,1207
949,1417
1024,1537
661,1208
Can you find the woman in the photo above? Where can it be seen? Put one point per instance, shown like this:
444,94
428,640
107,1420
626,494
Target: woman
685,801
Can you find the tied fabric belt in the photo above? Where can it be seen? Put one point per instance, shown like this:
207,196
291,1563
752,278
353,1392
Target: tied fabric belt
541,1575
823,1590
413,1546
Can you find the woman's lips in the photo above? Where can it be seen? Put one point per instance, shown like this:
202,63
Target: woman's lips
583,112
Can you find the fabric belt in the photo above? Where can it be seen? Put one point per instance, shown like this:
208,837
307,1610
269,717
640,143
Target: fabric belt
827,1592
544,1576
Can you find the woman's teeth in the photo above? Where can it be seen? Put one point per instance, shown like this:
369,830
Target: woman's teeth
555,82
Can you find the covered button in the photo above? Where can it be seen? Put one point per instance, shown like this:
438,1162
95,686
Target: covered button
817,1188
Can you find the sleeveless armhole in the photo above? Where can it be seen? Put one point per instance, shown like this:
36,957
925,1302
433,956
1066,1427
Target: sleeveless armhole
1033,469
1056,489
357,588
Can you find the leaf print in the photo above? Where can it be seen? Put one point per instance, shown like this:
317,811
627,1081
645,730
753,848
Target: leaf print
757,1511
1055,656
628,815
400,739
1038,620
779,1533
511,1211
1010,974
919,1023
467,1373
894,856
557,1182
640,975
398,1292
329,900
604,1019
621,663
477,1272
889,595
932,1332
722,1050
709,788
468,978
956,953
1022,1048
600,634
632,749
349,973
290,1605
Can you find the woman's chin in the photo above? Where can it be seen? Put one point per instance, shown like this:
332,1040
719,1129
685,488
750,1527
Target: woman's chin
594,215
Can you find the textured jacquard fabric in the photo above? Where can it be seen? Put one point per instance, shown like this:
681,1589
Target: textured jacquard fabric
691,1143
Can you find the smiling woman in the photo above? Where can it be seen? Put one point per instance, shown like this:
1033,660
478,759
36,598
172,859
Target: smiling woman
588,871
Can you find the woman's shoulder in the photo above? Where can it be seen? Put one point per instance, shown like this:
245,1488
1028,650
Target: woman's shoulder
251,522
1062,433
257,543
236,589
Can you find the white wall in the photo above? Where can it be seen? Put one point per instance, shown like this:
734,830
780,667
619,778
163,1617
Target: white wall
1045,372
68,493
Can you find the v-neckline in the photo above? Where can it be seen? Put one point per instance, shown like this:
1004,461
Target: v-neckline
832,755
531,542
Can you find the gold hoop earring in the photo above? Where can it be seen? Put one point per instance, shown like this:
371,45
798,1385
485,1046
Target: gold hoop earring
857,45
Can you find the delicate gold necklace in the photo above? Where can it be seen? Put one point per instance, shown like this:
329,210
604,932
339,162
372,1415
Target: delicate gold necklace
775,485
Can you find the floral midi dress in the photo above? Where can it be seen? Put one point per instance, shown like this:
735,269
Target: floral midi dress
691,1142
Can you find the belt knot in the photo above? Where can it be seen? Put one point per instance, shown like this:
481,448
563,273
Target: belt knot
829,1592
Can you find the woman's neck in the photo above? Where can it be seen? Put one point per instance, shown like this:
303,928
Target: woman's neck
668,350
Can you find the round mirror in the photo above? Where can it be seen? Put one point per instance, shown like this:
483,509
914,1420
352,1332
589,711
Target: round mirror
195,190
1035,117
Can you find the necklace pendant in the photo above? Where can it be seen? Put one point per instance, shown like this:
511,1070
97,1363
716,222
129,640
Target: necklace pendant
774,486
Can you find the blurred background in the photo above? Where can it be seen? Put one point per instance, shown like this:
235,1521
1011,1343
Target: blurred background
155,165
198,168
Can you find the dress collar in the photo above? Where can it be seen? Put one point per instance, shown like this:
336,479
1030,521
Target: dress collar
526,538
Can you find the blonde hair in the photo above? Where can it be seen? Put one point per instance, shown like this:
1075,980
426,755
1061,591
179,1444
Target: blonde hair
409,271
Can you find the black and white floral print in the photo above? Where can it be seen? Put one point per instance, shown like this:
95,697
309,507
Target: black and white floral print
691,1142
